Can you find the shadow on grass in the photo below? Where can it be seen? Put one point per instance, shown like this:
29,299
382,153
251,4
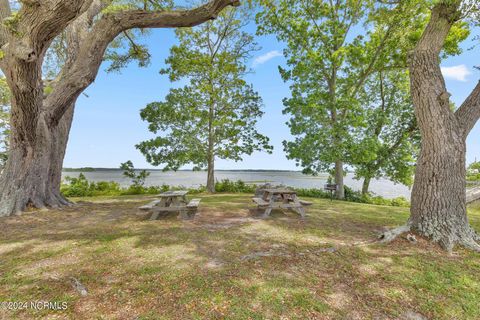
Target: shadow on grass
225,264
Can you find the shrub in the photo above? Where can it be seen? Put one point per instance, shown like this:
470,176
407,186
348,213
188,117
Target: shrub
81,187
313,193
136,190
138,179
239,186
354,196
400,202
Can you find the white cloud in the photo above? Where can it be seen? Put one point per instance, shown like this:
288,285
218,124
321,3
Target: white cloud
459,73
266,57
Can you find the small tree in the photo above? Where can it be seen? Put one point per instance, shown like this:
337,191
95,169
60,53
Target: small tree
387,144
138,179
215,115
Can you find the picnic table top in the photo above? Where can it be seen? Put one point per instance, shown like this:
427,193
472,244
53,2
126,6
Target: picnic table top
280,191
179,193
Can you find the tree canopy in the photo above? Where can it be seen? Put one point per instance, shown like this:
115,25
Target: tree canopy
216,113
335,53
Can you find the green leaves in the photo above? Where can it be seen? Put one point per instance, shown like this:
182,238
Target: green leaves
215,114
126,49
138,179
335,52
388,144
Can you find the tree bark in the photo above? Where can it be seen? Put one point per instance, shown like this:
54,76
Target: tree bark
211,175
340,193
60,134
438,208
33,174
366,185
211,147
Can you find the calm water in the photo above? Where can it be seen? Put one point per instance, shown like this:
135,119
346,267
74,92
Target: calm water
382,187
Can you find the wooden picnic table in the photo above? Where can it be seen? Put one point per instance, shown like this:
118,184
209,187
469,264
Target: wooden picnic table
173,201
280,198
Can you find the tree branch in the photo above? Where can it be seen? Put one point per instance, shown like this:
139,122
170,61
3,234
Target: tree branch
469,112
424,62
84,69
171,19
444,15
38,23
5,12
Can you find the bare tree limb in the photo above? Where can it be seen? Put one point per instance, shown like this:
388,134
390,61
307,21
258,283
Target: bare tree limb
84,69
469,112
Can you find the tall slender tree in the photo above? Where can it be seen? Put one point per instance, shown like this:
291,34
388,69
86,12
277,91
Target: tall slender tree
438,208
215,115
387,144
40,123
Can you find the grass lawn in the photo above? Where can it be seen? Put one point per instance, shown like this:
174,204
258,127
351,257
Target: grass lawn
227,265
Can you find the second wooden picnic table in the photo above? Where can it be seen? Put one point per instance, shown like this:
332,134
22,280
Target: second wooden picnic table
280,198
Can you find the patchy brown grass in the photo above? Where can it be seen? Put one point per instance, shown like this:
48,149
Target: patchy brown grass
226,264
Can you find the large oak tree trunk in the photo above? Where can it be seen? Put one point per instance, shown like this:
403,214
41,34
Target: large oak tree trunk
438,209
33,173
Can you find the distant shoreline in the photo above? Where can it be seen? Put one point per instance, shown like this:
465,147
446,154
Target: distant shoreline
89,169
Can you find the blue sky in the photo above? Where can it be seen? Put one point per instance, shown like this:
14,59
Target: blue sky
107,124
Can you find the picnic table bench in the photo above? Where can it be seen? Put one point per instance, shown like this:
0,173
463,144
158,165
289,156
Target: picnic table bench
173,201
280,198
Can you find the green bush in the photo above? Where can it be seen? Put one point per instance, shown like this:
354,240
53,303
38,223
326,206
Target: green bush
313,193
239,186
81,187
473,177
400,202
354,196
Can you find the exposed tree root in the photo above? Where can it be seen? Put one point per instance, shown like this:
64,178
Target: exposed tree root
18,203
391,235
471,244
470,241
